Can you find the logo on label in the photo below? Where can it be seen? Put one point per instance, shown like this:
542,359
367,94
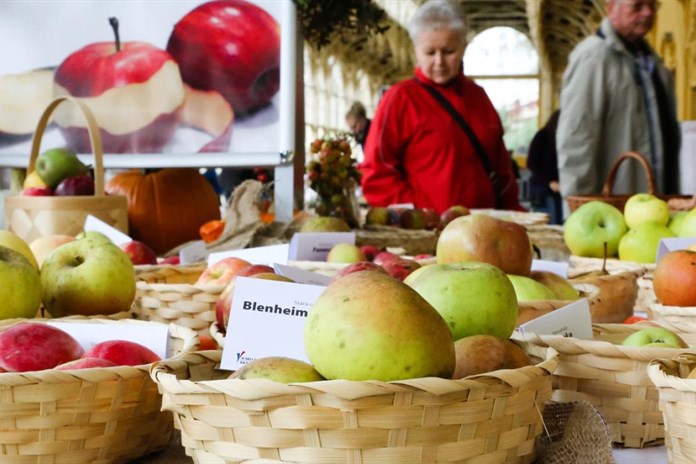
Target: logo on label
240,354
241,359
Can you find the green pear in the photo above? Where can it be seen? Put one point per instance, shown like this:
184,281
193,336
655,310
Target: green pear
56,164
528,289
558,285
278,369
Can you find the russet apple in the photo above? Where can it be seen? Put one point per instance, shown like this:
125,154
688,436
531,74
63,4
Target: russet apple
31,346
370,326
655,337
232,47
479,354
139,252
222,272
474,298
640,243
122,353
345,253
674,279
85,363
43,246
590,226
20,285
645,207
87,276
133,88
279,369
483,238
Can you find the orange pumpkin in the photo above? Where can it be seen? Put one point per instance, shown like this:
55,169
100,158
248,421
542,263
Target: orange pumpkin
167,207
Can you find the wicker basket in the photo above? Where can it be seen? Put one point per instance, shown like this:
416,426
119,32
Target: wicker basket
575,201
530,310
678,405
32,217
613,378
217,335
412,241
99,415
488,418
679,318
169,294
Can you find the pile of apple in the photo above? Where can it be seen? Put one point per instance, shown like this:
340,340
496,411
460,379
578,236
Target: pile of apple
34,346
59,172
413,218
632,234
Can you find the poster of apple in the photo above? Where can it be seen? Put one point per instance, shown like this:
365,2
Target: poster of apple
160,76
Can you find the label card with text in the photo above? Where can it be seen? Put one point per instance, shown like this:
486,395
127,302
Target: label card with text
315,246
153,335
572,320
301,276
671,244
92,224
267,318
556,267
267,255
193,253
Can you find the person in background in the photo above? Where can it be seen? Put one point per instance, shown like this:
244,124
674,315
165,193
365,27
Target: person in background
617,96
358,123
543,163
436,140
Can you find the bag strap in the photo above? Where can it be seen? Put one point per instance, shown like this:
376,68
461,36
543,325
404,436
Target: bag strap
475,143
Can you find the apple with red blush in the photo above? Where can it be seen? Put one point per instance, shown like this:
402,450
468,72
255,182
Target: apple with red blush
232,47
222,272
222,305
400,268
139,252
37,192
32,346
357,267
85,363
118,81
122,353
252,269
385,256
370,251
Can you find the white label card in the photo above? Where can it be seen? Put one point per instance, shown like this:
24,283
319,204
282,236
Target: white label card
301,276
401,206
315,246
671,244
556,267
153,335
572,320
115,235
194,253
267,255
267,319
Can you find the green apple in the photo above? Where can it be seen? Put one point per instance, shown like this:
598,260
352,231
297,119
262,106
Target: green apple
278,369
590,226
325,224
688,225
369,326
20,285
655,337
640,244
645,207
474,298
94,235
88,277
528,289
15,242
563,289
345,253
56,164
676,220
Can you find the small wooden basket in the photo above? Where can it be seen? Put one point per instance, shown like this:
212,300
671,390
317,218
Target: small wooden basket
613,378
677,396
31,217
105,415
494,417
169,294
575,201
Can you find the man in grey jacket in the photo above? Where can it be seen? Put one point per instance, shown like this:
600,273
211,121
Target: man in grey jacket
617,96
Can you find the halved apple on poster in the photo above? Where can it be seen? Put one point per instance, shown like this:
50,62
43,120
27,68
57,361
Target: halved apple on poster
23,98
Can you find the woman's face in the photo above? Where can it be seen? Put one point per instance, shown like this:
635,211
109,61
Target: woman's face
439,54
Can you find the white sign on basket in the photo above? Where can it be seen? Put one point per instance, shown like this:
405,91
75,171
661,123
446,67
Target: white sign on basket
267,255
671,244
267,318
194,253
556,267
573,320
152,335
315,246
301,276
92,224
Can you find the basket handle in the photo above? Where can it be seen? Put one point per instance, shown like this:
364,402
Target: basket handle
609,183
94,138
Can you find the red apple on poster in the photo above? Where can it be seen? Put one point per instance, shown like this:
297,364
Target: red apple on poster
133,88
233,47
139,252
122,353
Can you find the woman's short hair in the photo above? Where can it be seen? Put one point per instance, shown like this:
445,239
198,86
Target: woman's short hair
357,110
437,14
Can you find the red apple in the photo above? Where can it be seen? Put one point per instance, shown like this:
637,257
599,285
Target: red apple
139,252
224,302
385,256
85,363
233,47
28,346
122,353
253,269
37,191
413,219
634,319
171,260
134,90
82,185
357,267
400,268
222,272
370,251
432,219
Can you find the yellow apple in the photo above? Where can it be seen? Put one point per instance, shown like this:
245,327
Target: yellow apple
16,243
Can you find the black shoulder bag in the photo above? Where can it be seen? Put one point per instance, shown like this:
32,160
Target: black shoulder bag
475,143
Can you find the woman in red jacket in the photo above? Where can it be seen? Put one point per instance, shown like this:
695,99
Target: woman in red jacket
416,151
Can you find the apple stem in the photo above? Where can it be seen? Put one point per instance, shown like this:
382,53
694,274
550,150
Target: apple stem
113,21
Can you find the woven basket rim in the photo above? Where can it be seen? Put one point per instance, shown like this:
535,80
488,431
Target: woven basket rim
255,389
666,310
657,371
